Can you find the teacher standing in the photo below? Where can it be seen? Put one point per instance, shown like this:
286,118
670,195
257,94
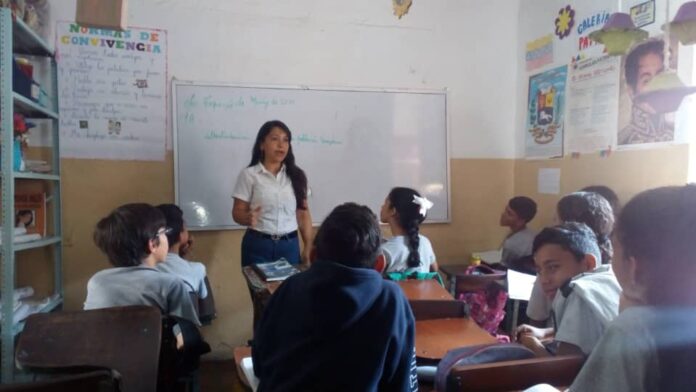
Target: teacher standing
270,198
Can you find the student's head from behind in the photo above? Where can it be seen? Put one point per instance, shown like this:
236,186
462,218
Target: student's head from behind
350,235
562,252
593,210
403,206
174,219
643,62
518,212
273,146
606,193
655,238
131,233
24,218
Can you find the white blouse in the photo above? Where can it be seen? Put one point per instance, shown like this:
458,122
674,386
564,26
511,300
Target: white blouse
259,187
396,252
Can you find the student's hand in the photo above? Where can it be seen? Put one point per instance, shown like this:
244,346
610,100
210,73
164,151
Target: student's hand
528,330
254,216
179,341
186,247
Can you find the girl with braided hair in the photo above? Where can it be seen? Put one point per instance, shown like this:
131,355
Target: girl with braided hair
404,210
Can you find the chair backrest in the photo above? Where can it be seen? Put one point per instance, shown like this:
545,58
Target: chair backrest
125,339
206,306
94,381
425,309
514,375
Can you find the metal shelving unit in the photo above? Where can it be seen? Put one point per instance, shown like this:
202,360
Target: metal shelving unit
17,38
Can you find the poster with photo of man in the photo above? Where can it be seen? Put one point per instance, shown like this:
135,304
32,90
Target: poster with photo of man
639,123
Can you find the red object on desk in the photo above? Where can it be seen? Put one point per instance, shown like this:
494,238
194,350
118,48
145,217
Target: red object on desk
435,337
424,289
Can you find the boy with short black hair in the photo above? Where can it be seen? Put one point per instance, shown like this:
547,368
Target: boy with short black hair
584,293
519,211
338,326
192,273
133,237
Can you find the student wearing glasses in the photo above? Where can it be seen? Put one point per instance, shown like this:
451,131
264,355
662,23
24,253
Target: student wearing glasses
134,239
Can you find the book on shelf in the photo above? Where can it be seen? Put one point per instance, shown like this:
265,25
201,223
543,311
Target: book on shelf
276,270
30,213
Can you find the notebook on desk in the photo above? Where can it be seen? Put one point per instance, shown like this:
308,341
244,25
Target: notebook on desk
276,270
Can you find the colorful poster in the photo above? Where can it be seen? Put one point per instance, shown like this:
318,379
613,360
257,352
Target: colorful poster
640,123
593,102
539,52
112,87
544,136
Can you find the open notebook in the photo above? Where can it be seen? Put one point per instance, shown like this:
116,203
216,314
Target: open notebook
248,369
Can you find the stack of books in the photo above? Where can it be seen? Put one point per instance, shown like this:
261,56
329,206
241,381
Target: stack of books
276,270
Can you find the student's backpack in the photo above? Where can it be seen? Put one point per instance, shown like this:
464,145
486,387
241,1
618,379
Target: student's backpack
484,295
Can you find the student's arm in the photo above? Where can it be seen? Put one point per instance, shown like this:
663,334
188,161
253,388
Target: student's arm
243,214
304,223
533,338
400,369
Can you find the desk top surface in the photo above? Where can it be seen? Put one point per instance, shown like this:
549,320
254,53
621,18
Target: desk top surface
424,289
435,337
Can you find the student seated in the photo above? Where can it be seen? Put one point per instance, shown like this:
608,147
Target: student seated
591,209
519,211
404,210
134,239
339,326
192,273
651,345
583,293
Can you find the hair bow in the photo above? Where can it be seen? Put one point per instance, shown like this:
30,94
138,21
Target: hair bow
424,204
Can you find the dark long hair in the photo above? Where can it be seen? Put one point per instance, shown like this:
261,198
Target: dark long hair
297,175
593,210
409,217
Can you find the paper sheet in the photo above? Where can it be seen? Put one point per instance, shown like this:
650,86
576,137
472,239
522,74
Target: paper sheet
248,369
549,181
520,285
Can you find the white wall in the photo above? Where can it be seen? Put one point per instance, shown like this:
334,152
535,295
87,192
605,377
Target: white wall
466,46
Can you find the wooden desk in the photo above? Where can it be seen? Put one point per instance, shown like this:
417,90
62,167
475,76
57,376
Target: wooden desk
435,337
424,289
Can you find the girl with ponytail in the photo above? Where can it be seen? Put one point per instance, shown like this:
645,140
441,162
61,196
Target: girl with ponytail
404,210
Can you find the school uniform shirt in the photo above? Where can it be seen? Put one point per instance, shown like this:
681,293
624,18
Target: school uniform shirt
141,285
336,328
539,306
517,245
626,358
583,310
259,187
396,252
191,272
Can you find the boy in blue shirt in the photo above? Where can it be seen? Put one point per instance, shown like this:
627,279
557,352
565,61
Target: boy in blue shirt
338,326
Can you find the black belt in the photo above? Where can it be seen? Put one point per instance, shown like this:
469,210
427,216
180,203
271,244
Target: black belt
274,237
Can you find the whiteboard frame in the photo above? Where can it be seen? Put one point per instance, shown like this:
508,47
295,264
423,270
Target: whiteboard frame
177,82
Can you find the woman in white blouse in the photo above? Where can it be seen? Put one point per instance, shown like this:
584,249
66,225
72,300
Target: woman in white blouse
270,198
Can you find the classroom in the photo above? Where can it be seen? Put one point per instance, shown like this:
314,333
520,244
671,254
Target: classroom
470,102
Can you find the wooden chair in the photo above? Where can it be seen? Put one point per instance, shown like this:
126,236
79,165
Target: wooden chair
93,381
125,339
514,375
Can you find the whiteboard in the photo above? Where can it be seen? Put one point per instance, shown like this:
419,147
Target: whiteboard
354,145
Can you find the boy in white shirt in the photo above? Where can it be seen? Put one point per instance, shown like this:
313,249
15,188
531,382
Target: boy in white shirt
192,273
519,211
584,294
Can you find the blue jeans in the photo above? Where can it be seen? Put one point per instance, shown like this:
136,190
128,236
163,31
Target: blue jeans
257,249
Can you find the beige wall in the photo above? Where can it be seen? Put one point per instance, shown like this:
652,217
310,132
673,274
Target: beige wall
627,172
91,188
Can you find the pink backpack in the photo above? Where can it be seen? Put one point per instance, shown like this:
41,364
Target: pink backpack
486,298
